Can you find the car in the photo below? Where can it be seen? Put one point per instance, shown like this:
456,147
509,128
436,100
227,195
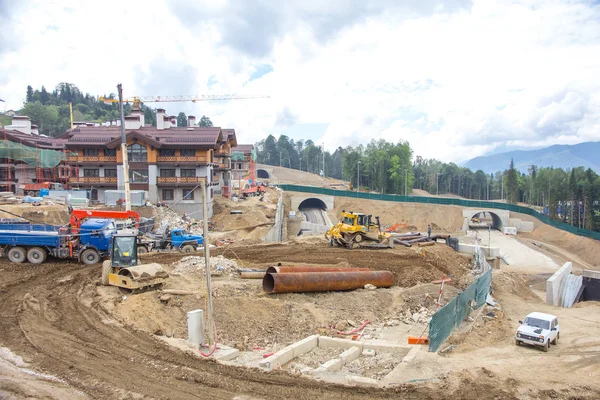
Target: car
538,329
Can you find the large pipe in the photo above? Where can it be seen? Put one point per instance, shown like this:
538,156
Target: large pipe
252,274
302,268
325,281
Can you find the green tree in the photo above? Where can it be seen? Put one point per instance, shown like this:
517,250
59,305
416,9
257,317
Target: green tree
205,121
29,96
512,184
181,119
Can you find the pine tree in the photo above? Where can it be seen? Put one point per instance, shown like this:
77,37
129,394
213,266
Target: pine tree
512,184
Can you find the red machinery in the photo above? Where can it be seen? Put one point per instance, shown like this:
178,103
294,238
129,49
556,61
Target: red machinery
78,216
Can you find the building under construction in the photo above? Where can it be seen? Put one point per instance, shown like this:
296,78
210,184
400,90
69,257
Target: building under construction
168,162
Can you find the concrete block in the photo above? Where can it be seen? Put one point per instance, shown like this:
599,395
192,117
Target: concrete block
588,273
350,355
361,381
268,363
509,230
226,354
368,353
412,353
305,345
553,284
328,342
470,249
387,348
284,355
526,226
331,366
307,371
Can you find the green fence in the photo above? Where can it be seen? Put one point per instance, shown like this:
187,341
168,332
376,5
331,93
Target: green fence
444,201
452,314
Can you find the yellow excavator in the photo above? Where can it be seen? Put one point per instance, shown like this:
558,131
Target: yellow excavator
358,230
123,271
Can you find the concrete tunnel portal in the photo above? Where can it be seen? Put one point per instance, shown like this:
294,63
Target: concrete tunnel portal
486,218
262,174
311,204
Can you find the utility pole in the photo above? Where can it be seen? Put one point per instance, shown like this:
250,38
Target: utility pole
502,189
124,151
487,196
437,183
358,177
406,183
211,326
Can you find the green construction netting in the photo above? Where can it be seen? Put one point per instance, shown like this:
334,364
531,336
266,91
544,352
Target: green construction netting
37,157
239,155
457,310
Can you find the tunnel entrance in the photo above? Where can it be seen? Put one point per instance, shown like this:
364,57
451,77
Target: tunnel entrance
261,173
315,214
485,219
312,203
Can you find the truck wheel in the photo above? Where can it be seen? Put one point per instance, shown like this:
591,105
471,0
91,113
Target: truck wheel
546,346
142,250
90,256
17,254
36,255
517,342
188,248
106,270
555,341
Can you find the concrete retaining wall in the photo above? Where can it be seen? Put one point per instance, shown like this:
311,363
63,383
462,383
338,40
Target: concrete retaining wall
470,249
276,232
522,226
553,284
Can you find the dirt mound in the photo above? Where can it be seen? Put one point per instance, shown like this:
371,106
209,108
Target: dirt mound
45,214
510,282
254,212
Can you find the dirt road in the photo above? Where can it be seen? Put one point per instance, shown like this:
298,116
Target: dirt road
47,317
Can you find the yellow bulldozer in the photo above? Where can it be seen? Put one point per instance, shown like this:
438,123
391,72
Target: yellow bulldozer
358,230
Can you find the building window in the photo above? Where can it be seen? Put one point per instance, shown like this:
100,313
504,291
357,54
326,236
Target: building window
91,172
138,176
90,152
188,194
240,166
137,153
166,152
167,173
211,156
110,152
110,173
187,152
185,173
167,194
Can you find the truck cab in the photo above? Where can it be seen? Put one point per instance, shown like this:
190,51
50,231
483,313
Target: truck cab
95,236
183,240
538,329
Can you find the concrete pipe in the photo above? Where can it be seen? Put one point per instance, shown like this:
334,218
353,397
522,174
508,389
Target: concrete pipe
305,268
325,281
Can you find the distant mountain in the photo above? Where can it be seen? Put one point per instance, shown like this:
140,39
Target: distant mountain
557,156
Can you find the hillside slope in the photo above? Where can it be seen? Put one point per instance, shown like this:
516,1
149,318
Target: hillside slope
558,156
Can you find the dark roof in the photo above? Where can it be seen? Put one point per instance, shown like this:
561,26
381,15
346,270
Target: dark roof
33,140
110,136
246,148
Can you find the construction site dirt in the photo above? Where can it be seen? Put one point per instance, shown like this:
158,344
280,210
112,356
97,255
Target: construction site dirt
98,343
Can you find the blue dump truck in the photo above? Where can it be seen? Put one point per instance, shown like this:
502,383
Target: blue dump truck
20,241
173,239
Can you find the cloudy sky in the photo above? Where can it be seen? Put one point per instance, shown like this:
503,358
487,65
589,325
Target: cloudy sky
455,78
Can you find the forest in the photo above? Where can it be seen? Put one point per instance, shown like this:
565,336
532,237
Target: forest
49,110
569,196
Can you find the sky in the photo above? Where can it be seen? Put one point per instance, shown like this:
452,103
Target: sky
456,79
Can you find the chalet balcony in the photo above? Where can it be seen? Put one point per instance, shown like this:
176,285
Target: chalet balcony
93,180
92,159
180,180
223,165
182,159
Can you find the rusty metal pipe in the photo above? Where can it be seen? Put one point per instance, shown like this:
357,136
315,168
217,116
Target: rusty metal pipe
302,268
324,281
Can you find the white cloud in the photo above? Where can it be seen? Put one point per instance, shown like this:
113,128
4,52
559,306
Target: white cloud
456,80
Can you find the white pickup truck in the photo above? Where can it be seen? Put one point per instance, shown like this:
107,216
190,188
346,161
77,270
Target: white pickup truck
538,329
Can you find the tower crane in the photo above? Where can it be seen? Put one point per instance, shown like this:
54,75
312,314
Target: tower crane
136,100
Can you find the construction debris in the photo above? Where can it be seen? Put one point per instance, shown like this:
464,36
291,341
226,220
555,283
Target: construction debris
219,265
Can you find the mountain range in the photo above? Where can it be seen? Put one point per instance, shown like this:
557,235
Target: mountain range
558,156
